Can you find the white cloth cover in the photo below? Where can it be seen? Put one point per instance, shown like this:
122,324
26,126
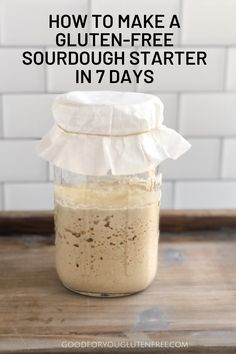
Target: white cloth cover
97,133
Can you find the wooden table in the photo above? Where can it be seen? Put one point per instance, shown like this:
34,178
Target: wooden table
191,303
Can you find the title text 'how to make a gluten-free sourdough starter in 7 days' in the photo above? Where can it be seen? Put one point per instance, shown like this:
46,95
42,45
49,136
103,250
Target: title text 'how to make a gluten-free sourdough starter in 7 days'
106,148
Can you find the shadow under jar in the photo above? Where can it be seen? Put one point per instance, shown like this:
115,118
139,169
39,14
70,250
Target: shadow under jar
107,231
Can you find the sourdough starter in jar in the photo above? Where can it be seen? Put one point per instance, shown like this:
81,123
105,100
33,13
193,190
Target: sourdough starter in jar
106,237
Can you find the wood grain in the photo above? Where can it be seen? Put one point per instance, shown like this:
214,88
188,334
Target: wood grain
41,222
193,299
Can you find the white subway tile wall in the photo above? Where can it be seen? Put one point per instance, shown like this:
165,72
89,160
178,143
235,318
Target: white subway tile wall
208,114
132,7
205,195
27,116
26,22
30,196
210,22
200,102
19,162
187,77
16,77
201,161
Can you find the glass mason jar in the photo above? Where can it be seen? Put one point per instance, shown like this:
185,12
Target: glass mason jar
107,231
107,147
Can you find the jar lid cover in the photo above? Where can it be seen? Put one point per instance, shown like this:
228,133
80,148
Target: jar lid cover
108,113
102,132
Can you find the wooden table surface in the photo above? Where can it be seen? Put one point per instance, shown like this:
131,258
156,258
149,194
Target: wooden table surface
192,301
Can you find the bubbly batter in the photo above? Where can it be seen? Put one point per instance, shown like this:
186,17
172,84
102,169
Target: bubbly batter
106,237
